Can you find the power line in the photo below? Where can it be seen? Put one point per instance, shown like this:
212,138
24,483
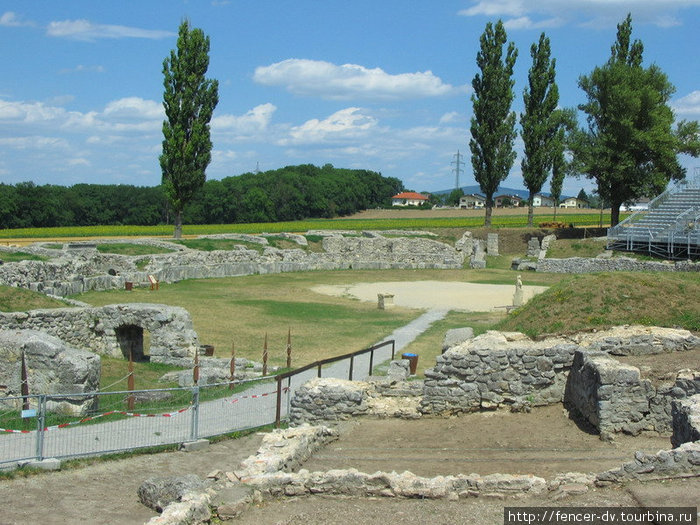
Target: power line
457,163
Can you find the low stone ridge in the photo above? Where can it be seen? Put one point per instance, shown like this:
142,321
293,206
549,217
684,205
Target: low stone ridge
53,367
284,450
115,330
614,264
686,420
329,400
158,492
683,461
76,271
638,340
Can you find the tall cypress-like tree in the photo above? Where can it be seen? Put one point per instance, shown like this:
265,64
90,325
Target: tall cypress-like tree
493,123
189,101
540,125
629,148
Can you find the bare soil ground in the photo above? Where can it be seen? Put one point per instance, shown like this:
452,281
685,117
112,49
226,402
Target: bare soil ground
105,492
543,442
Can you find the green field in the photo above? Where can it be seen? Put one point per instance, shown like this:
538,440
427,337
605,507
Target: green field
428,222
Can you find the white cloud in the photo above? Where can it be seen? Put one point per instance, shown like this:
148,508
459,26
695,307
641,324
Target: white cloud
524,22
327,80
10,19
33,142
348,123
452,116
79,161
495,8
253,122
122,115
688,105
80,68
523,14
135,108
87,31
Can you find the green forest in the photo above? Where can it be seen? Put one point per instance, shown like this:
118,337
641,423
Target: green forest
286,194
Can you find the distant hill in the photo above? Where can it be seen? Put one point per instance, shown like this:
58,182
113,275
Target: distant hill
468,190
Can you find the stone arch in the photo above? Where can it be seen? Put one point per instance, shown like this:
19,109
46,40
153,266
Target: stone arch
130,338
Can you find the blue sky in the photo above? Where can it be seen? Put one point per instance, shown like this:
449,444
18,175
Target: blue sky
382,84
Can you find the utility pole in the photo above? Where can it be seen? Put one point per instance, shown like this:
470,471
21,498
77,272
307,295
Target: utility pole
457,163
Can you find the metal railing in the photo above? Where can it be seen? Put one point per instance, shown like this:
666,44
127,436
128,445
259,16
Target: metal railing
161,416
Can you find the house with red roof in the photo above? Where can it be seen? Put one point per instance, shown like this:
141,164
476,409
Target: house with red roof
409,198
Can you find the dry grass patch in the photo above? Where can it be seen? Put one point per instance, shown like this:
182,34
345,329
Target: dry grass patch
582,302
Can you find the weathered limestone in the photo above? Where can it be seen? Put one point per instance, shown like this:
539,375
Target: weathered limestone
497,369
638,340
381,252
686,420
158,492
328,399
683,461
608,394
509,370
285,450
456,336
533,247
465,244
614,264
385,301
115,330
478,257
74,271
492,244
53,367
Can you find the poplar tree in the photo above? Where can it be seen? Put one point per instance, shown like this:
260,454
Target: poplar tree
629,148
539,122
493,123
189,101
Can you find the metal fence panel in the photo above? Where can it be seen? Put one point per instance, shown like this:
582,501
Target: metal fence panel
175,415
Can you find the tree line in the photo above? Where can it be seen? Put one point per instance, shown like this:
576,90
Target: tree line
285,194
628,146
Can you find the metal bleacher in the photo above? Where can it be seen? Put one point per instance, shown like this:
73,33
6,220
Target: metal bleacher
670,228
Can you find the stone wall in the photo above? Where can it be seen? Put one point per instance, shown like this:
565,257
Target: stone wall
78,270
612,396
614,264
115,330
329,400
510,370
497,369
53,367
686,420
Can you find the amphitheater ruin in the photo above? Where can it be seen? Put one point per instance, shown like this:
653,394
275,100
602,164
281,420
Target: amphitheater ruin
587,374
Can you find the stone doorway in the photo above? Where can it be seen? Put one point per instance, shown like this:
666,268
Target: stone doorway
131,340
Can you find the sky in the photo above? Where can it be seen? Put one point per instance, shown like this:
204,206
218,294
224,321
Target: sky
382,85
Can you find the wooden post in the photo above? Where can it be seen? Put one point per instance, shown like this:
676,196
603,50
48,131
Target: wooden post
289,348
24,387
130,383
232,366
195,372
278,411
264,370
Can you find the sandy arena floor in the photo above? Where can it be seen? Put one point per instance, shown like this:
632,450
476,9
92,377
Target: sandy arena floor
428,295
